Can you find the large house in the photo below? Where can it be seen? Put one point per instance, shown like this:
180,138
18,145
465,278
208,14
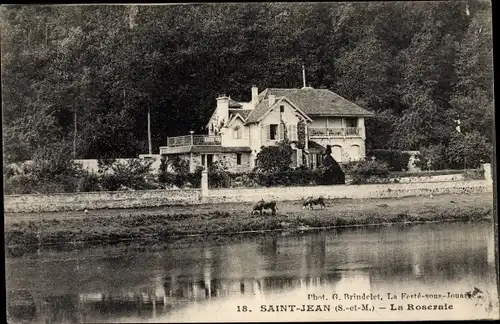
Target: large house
309,118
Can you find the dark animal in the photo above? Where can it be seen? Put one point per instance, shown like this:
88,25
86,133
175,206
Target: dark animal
262,206
313,201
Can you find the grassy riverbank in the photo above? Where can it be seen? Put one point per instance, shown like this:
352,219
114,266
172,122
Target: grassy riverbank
154,225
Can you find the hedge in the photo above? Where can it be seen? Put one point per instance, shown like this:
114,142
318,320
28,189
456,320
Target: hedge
396,160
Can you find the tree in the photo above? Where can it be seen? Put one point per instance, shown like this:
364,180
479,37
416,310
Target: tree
469,150
418,65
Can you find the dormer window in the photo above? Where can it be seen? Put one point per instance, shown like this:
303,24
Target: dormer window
237,132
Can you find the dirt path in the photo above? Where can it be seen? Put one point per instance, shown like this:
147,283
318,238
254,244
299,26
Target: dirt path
409,204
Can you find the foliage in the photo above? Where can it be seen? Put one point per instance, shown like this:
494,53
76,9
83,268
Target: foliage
89,182
369,171
131,174
275,158
395,159
180,177
301,134
418,65
465,150
469,150
218,175
432,157
50,171
290,177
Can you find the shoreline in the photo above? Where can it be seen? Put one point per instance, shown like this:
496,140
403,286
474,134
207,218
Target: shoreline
150,226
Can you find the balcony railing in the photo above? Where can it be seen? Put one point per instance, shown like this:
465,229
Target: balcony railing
190,140
333,132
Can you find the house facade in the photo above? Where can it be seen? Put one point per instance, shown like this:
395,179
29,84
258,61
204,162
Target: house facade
309,118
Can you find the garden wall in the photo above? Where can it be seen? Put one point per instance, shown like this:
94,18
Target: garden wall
395,190
153,198
100,200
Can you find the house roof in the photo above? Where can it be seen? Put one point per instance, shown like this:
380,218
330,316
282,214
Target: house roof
314,147
263,107
242,112
204,149
234,104
319,102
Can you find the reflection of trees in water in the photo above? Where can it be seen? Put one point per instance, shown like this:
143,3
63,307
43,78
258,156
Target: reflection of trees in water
60,309
429,265
20,306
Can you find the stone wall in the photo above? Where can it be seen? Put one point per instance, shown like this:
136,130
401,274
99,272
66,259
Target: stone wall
153,198
100,200
395,190
433,178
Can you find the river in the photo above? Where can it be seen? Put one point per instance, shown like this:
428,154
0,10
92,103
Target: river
256,278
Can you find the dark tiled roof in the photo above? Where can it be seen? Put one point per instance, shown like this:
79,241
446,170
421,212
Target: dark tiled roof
318,102
258,111
314,147
263,107
204,149
242,112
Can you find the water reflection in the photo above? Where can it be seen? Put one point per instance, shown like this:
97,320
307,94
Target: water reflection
67,287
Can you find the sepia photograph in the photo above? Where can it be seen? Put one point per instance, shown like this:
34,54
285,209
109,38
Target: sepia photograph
244,162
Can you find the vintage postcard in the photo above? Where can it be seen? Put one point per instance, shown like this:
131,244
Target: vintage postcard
241,162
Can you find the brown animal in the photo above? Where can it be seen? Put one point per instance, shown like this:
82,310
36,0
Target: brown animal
313,201
262,206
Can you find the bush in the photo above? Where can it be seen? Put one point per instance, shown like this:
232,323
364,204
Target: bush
218,176
89,182
433,157
396,160
276,158
131,174
369,171
50,171
180,177
469,150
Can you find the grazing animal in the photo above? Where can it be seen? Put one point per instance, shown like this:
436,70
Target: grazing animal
262,206
85,211
313,201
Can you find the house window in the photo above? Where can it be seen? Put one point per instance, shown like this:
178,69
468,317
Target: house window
238,158
238,131
273,132
282,108
351,122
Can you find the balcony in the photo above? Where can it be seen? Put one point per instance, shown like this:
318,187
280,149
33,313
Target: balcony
322,132
191,140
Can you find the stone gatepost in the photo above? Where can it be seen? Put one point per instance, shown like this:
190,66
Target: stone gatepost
204,185
487,173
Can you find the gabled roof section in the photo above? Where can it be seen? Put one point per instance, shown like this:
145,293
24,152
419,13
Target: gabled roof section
232,118
319,102
242,112
263,109
258,111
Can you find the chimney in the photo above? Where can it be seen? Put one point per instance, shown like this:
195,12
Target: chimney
255,95
223,108
272,100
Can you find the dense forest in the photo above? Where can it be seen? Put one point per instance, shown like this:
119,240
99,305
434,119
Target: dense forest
420,66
